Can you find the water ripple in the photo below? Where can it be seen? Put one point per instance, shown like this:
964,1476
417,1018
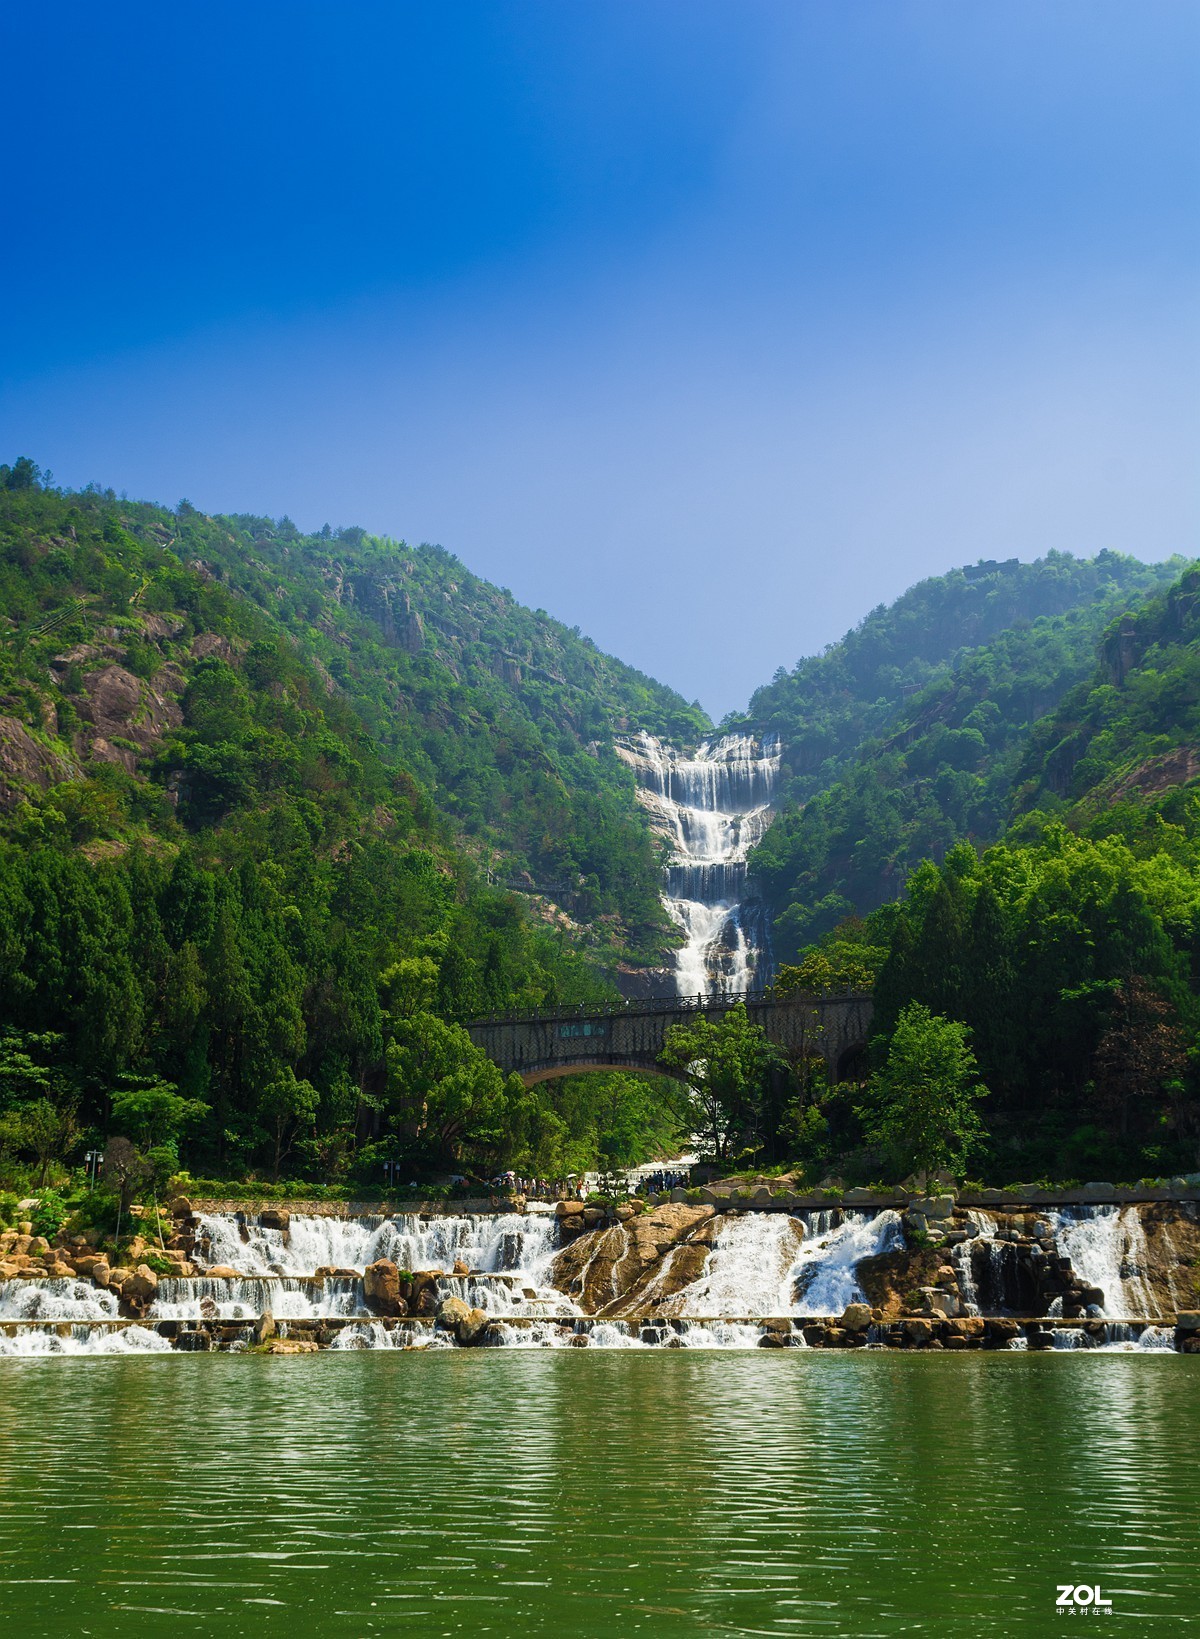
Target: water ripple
503,1492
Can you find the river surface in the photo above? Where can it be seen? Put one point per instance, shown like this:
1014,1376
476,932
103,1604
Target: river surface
579,1493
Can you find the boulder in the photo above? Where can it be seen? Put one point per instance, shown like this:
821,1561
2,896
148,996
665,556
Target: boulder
467,1324
451,1311
969,1326
381,1288
141,1285
264,1327
471,1329
461,1268
274,1218
775,1340
1188,1320
293,1345
856,1317
101,1273
180,1207
1097,1192
918,1331
594,1216
194,1342
937,1207
625,1212
221,1271
568,1209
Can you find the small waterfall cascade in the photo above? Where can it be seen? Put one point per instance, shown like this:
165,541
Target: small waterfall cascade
1069,1278
310,1271
1107,1249
504,1243
765,1264
711,807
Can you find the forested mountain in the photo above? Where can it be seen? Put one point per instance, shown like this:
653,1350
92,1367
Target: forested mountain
907,736
279,813
1071,948
1123,748
255,790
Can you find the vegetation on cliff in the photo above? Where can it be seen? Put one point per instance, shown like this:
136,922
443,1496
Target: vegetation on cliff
277,814
912,733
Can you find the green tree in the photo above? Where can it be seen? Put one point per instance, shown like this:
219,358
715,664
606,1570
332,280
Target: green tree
286,1105
441,1090
728,1063
152,1113
921,1107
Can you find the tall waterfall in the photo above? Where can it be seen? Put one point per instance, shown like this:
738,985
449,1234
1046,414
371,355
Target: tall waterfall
712,807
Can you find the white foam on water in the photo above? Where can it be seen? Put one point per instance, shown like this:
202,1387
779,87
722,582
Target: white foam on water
1107,1248
824,1274
84,1339
287,1298
68,1298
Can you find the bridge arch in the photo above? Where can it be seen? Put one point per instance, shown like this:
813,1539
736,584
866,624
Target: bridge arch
565,1041
537,1073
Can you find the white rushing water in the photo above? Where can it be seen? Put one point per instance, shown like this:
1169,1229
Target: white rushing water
1107,1248
825,1273
84,1339
66,1299
509,1242
761,1267
765,1264
712,808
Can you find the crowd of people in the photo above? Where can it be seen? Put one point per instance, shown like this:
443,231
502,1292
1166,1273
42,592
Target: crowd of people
654,1183
578,1186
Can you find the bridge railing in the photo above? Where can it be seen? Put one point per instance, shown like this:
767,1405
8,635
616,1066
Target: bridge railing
657,1004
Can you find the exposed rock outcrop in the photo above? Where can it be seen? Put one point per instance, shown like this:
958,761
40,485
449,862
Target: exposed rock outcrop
607,1270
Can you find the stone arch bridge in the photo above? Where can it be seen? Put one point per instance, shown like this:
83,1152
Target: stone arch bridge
566,1041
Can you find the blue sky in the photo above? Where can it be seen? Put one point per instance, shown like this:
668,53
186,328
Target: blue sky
704,326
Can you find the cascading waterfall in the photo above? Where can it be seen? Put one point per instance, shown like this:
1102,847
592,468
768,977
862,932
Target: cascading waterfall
825,1273
763,1277
712,808
508,1242
1107,1249
772,1264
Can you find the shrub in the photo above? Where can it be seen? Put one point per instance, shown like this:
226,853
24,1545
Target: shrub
95,1212
49,1215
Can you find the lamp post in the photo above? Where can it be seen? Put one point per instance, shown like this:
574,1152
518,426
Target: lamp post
93,1159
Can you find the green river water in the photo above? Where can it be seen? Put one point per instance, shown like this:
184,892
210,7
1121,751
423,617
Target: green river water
588,1493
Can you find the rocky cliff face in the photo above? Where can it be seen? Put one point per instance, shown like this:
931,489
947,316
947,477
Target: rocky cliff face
634,1267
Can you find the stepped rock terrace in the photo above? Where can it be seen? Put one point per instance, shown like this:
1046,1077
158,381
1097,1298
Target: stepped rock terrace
704,1269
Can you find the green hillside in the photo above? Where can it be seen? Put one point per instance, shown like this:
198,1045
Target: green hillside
1069,948
907,736
263,800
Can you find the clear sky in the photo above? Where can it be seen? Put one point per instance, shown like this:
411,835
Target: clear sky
705,326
